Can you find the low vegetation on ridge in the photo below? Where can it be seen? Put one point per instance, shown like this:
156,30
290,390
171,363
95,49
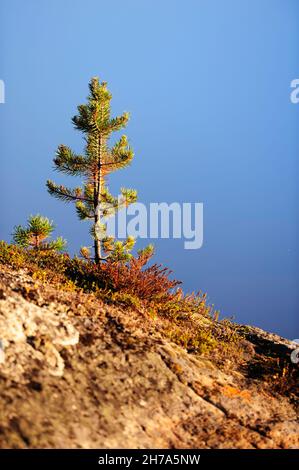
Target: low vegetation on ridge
135,285
148,288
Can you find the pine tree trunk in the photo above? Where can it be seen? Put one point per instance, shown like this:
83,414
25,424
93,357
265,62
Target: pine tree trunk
97,203
97,250
97,241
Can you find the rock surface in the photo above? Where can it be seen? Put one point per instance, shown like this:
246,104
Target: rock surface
77,373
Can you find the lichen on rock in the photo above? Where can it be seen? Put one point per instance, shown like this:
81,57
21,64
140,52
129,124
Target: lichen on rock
31,336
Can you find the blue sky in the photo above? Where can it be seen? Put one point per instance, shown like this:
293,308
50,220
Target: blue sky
207,83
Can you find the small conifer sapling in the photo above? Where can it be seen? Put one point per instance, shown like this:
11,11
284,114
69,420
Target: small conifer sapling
36,233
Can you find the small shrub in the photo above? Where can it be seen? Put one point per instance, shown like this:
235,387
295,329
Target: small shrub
36,233
147,284
126,299
200,341
12,255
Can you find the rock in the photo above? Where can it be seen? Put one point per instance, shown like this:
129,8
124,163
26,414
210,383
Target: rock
98,376
30,336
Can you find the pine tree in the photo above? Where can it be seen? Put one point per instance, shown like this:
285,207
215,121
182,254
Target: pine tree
93,200
35,234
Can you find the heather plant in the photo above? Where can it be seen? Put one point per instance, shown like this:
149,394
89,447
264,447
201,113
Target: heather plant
132,277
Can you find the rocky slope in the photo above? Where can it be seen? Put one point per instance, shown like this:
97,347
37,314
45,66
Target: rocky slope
75,372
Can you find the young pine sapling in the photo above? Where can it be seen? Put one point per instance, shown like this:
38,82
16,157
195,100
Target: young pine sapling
93,200
36,233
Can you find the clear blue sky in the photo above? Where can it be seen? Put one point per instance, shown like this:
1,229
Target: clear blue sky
207,83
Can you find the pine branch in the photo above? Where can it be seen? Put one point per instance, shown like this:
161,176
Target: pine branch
21,236
66,194
119,122
129,195
68,162
58,245
83,212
